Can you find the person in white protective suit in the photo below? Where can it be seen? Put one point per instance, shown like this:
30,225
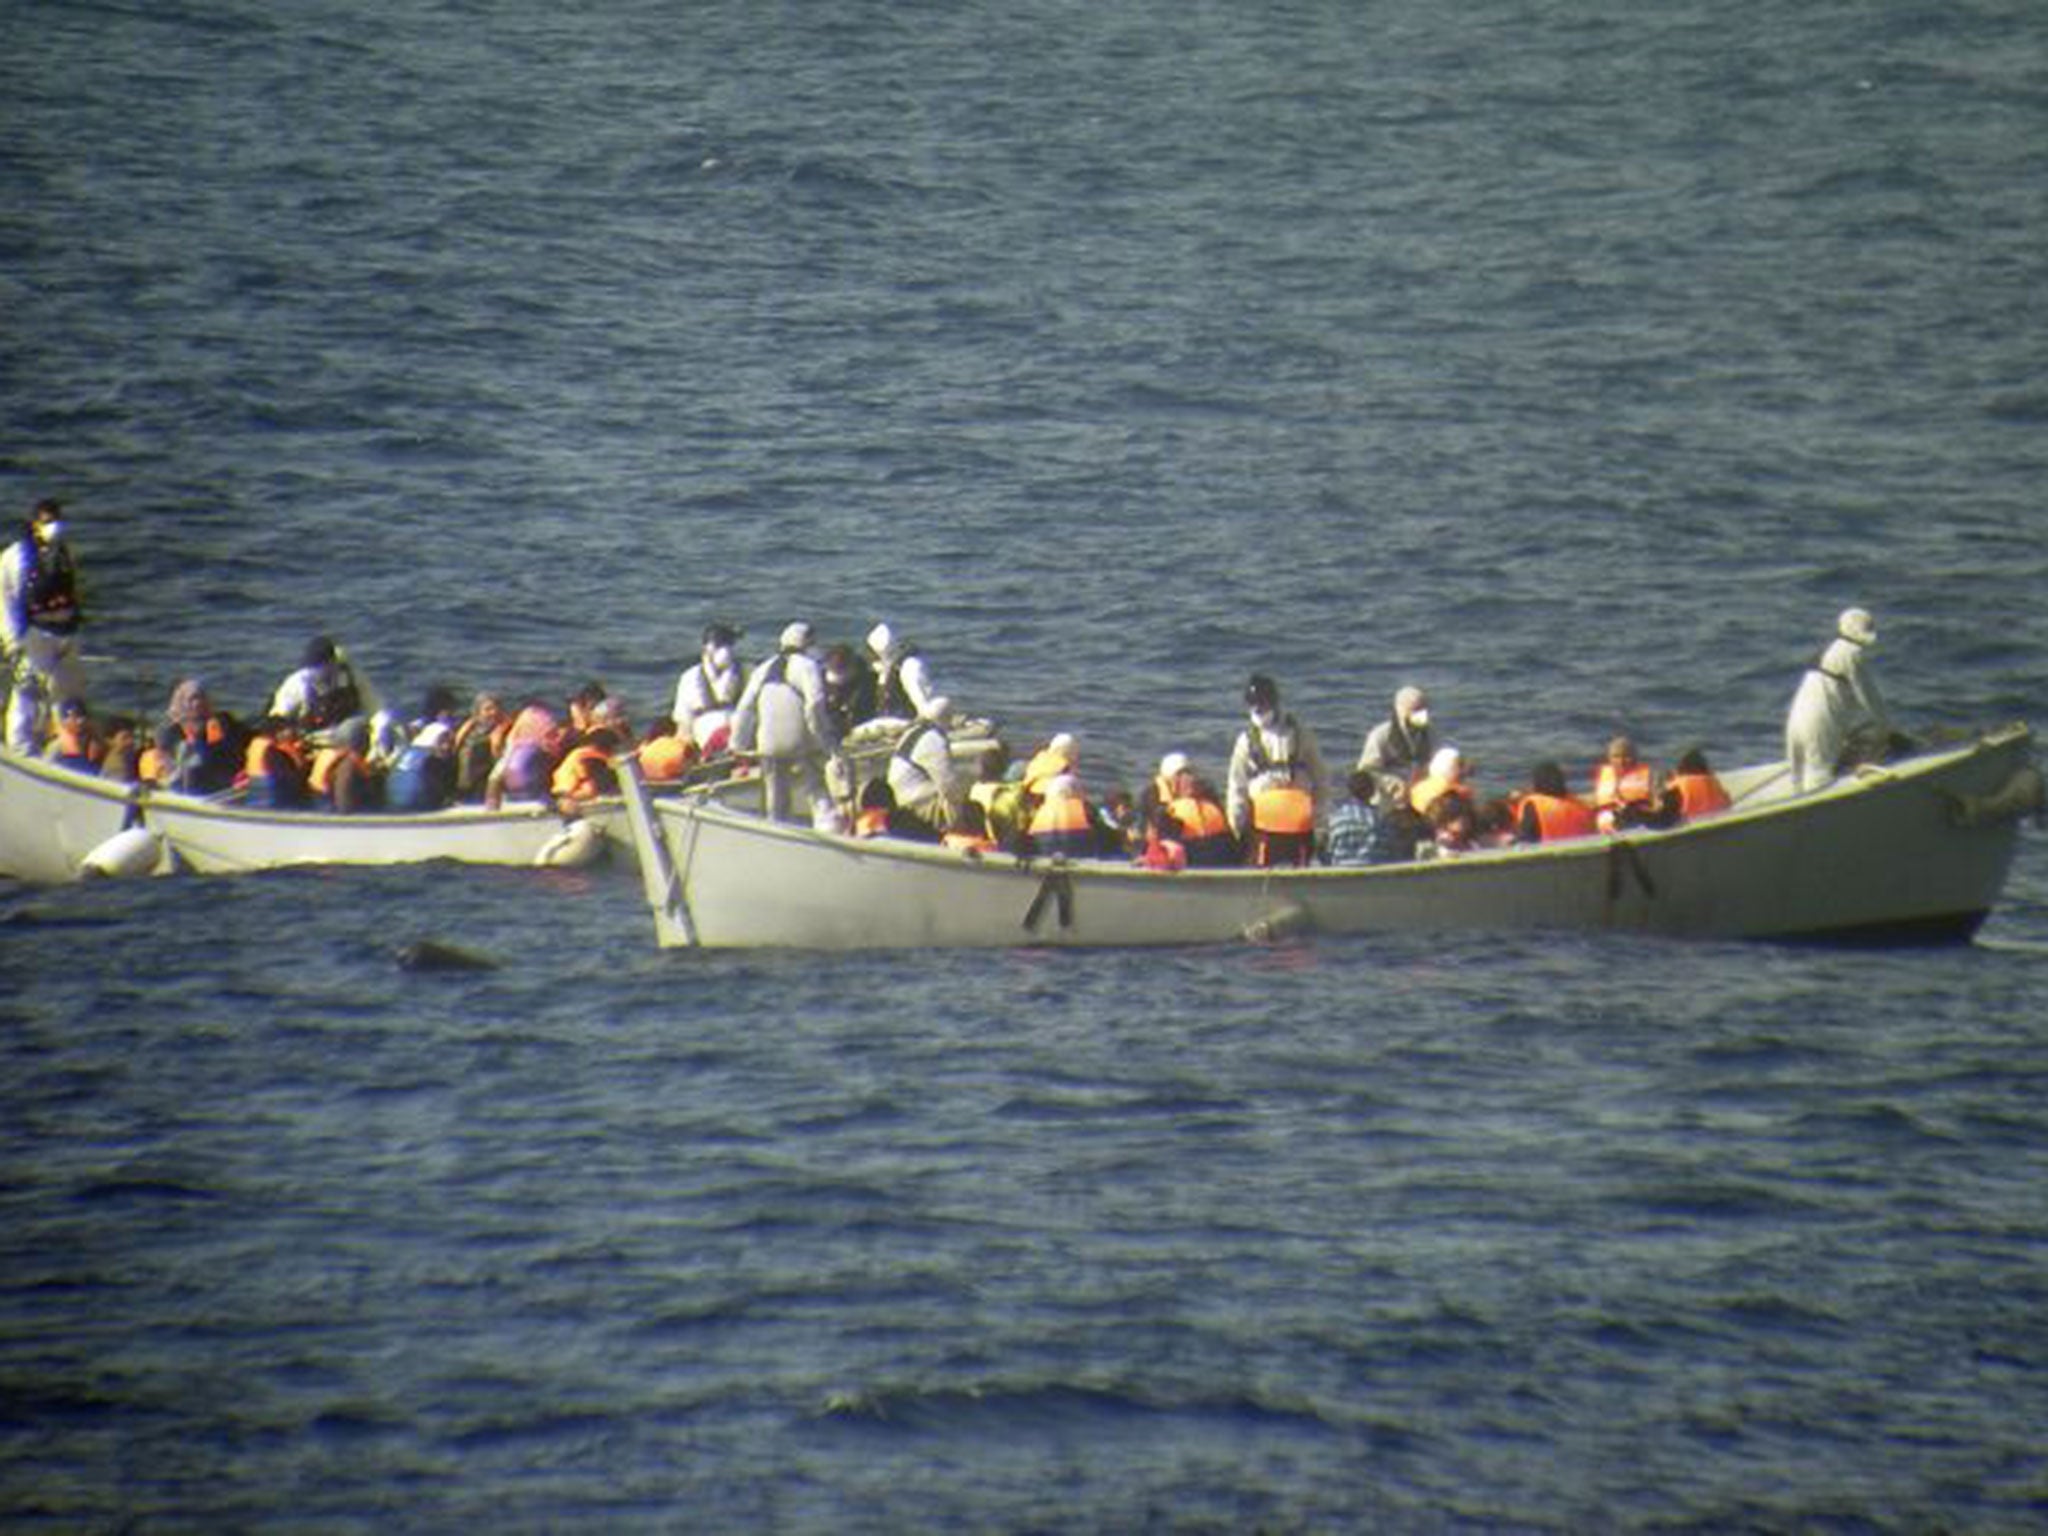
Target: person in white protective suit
1838,716
780,720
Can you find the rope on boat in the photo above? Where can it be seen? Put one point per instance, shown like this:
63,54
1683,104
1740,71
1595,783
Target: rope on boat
1056,888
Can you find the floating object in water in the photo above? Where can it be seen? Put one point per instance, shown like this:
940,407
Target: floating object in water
577,844
433,955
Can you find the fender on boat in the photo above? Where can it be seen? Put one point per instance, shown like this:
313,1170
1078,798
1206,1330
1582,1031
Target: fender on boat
577,844
137,851
2021,795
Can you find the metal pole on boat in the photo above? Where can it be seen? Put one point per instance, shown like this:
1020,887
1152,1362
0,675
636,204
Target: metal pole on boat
657,870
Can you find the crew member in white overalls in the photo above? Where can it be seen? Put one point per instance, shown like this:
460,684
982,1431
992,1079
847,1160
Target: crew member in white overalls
39,621
1837,717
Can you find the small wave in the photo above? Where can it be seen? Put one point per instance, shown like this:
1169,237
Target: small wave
143,1188
1043,1406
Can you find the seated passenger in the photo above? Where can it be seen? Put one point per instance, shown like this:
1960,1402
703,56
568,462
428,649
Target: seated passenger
1549,812
1625,790
585,772
1060,755
1202,827
479,743
423,778
665,755
1163,850
123,754
1063,825
76,745
274,767
1453,824
200,759
1354,835
969,832
1695,789
342,779
1446,778
526,769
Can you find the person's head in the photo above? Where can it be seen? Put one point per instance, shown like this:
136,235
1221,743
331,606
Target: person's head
719,640
881,640
1364,785
1262,698
189,703
796,638
1447,765
46,521
1693,760
1621,751
320,652
1548,779
1411,707
1064,747
488,709
439,704
1172,766
1856,625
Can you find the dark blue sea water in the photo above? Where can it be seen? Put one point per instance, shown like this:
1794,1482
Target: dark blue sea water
1578,361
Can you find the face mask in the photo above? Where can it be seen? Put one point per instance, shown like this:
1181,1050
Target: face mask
721,656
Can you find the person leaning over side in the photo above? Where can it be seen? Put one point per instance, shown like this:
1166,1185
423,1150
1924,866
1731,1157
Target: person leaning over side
40,616
1276,790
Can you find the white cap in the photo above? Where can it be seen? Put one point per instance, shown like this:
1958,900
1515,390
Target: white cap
1173,763
1449,763
796,636
1064,745
1410,704
880,638
1856,624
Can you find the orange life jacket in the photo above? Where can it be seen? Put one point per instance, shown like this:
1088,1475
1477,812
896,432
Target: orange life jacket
1617,789
256,762
1699,794
961,842
321,780
1199,817
581,775
665,757
1066,813
872,822
1429,789
1557,816
1288,809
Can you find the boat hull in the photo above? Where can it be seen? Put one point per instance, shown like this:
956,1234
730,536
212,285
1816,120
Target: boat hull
52,819
1881,856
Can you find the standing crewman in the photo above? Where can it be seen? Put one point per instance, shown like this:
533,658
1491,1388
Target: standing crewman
1397,750
39,620
1837,717
781,721
1276,797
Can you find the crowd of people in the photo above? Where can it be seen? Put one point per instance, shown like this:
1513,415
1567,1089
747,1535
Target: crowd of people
857,739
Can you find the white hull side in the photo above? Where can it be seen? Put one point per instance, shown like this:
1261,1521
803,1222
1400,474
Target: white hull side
220,839
1878,855
51,818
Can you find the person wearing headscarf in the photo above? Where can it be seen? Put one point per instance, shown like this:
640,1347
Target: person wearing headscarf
1837,717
